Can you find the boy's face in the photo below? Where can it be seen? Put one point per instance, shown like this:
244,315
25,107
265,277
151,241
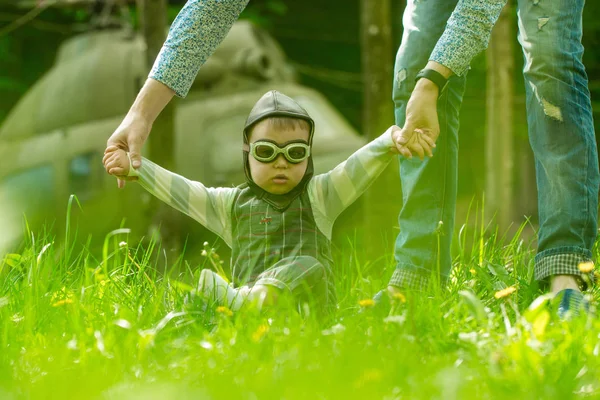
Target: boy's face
278,176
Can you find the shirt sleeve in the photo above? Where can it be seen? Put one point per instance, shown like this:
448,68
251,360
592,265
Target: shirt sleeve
332,192
194,35
467,33
209,206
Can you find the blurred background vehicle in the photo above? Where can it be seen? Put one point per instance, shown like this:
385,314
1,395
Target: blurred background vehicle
52,142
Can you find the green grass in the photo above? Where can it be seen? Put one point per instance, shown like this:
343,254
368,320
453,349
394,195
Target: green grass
76,327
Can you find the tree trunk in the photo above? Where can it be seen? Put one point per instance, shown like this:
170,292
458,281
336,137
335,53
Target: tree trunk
382,200
161,143
499,199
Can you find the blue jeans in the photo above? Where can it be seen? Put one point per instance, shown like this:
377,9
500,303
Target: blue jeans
561,133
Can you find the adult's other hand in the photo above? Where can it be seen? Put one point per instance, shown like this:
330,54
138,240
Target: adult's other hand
421,128
135,128
130,136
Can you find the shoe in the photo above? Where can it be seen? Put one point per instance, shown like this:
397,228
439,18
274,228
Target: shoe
382,302
572,304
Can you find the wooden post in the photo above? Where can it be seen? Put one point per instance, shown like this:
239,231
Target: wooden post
500,154
382,201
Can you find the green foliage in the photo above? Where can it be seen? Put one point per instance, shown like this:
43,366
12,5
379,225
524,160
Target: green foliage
76,326
265,12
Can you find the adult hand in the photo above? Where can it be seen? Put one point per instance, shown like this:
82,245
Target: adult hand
421,128
130,136
419,140
135,128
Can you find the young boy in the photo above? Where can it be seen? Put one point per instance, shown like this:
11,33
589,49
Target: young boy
279,223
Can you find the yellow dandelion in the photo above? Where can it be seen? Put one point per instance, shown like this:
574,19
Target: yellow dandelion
225,311
62,302
366,303
505,292
586,267
260,332
472,270
60,297
400,297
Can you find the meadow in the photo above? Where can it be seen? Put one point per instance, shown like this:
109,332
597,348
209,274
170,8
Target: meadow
78,326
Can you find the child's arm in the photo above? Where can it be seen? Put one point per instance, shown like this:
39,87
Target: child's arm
334,191
209,206
199,28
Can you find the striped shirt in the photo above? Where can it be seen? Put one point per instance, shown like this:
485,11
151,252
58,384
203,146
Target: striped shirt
202,24
223,210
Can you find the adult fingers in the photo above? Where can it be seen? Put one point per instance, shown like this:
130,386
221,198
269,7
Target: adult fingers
405,152
425,145
426,136
121,180
417,148
135,153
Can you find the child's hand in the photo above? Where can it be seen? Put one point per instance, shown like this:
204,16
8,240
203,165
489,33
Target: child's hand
394,131
116,161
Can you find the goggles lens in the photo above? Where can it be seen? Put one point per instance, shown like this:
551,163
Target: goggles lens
266,151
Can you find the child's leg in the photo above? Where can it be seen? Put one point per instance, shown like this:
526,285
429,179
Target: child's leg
217,290
303,277
262,295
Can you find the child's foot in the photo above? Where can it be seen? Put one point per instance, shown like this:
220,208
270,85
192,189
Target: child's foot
262,297
572,304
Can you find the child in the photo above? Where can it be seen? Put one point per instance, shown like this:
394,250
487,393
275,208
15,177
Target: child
279,223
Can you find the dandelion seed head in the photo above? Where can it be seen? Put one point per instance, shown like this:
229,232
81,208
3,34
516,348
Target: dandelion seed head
206,345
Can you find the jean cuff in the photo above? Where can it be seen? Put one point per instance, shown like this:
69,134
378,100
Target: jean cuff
563,261
408,278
